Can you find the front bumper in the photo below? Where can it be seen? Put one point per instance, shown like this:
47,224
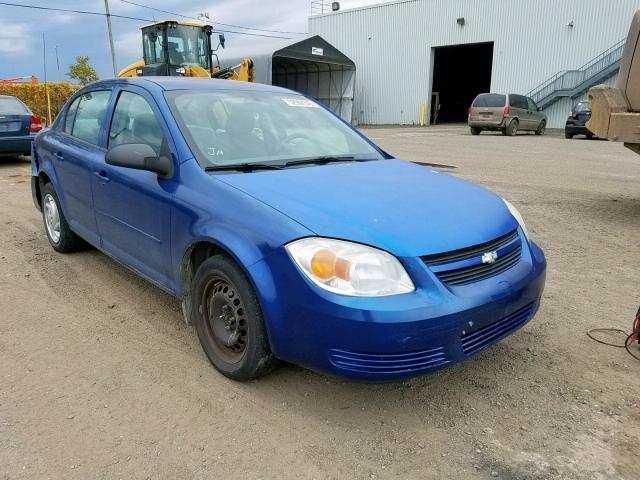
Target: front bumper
398,336
16,145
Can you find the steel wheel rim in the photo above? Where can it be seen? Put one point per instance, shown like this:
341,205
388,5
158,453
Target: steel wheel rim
51,217
225,319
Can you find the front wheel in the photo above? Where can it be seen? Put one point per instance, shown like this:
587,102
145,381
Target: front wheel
541,128
60,236
475,130
512,128
228,320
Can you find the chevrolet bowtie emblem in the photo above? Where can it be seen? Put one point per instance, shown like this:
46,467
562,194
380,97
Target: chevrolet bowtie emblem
489,257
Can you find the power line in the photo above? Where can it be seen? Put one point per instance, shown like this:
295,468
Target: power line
22,5
216,23
127,17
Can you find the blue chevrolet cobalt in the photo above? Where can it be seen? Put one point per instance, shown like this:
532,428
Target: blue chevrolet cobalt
285,233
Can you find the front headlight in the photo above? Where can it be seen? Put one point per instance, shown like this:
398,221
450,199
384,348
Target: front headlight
349,268
516,214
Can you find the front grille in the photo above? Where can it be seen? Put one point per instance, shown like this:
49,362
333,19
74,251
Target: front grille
465,266
388,363
478,339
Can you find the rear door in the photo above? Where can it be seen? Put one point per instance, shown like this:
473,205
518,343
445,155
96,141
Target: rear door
15,117
75,149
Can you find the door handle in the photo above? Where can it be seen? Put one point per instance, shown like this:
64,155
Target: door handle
102,175
59,156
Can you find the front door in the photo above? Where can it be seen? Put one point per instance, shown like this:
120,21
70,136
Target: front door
133,207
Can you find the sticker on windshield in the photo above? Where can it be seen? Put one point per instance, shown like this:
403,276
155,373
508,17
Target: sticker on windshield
300,102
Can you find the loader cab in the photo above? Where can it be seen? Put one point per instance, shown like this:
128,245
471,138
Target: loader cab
169,47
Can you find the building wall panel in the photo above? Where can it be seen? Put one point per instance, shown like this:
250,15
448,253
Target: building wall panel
392,45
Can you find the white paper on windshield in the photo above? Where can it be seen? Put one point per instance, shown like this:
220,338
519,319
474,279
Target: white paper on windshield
300,102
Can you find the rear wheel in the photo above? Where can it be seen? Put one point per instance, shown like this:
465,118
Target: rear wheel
60,236
541,128
228,320
589,136
568,136
512,128
475,130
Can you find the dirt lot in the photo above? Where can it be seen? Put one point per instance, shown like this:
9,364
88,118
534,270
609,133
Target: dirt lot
100,377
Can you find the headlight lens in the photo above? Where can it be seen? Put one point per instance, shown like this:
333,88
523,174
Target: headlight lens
349,268
516,214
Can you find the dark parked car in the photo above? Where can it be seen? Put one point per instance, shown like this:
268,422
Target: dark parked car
576,123
18,126
286,233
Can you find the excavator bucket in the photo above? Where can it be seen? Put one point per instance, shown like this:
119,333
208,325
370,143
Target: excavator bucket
616,110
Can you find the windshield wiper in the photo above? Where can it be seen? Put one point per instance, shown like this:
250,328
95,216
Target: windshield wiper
323,160
244,167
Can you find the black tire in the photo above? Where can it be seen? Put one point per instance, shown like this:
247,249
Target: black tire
66,241
512,128
568,136
589,136
541,128
475,130
229,321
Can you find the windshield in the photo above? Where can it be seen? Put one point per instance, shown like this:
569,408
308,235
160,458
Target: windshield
581,107
188,46
491,100
12,106
233,128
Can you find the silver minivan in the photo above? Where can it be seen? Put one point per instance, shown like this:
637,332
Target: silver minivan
507,113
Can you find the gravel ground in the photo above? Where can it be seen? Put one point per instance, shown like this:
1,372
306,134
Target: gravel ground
100,377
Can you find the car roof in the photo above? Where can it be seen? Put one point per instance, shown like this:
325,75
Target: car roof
189,83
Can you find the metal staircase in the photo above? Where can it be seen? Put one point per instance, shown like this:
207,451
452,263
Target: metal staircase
571,83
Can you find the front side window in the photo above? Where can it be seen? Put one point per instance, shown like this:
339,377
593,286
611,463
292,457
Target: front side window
230,128
532,105
152,45
88,117
134,122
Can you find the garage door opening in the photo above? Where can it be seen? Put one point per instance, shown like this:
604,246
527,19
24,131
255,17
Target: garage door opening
460,72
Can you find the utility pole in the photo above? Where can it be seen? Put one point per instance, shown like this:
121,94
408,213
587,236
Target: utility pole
113,51
58,63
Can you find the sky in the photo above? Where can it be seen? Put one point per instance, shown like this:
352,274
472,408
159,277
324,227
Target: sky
71,34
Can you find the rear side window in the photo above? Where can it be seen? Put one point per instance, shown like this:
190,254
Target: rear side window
491,100
70,115
88,117
134,122
518,101
12,106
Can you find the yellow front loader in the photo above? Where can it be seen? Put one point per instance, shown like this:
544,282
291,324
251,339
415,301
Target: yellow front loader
172,48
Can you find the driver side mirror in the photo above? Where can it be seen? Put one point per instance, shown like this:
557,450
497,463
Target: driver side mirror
141,156
539,109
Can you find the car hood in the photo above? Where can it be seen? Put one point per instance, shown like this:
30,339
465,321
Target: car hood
398,206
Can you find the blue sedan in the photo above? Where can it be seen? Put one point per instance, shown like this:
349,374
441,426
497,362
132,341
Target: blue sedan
285,233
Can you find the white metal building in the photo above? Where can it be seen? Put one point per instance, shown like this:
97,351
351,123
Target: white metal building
407,51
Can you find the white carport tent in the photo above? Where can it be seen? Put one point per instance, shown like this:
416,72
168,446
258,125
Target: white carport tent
310,66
